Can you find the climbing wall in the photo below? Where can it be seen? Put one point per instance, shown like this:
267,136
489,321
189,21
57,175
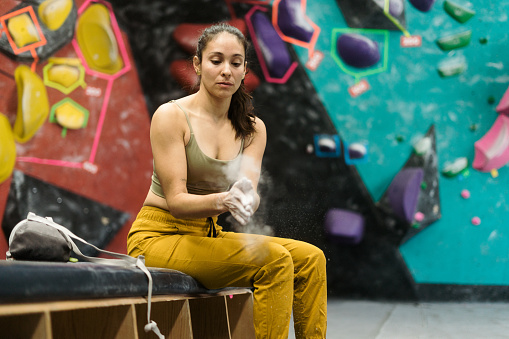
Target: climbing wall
80,143
387,129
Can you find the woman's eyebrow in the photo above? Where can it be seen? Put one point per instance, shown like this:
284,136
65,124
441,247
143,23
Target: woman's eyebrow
222,54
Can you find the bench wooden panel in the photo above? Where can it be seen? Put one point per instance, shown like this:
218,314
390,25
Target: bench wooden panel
225,314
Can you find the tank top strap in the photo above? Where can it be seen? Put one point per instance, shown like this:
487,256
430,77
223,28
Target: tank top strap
185,113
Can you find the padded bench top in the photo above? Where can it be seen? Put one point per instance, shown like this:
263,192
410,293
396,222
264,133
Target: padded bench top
29,281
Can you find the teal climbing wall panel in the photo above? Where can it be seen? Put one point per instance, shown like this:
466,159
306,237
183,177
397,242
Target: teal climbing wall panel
402,102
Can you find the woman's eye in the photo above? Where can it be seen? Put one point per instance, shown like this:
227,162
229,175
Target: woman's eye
216,62
237,64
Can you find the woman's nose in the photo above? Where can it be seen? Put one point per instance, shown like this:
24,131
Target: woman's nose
226,71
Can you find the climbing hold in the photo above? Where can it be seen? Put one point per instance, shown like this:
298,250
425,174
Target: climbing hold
396,7
494,173
465,194
7,149
64,75
458,12
455,41
357,150
327,145
309,149
491,100
474,127
476,221
403,192
400,138
452,66
53,13
33,104
69,116
423,5
273,48
292,20
492,150
357,50
422,146
97,40
419,216
458,166
343,226
483,41
22,30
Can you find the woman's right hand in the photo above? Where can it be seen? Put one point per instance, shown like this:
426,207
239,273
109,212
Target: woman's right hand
239,200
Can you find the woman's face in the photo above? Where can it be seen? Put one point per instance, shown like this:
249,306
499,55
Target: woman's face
223,65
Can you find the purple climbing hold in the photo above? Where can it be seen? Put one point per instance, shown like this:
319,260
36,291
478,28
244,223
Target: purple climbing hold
357,50
344,227
273,48
292,20
403,193
357,151
396,7
423,5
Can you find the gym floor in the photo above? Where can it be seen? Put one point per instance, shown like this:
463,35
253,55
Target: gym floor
382,320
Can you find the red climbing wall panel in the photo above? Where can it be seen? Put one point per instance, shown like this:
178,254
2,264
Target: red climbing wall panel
109,160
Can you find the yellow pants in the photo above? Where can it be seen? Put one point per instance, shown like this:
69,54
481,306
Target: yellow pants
285,273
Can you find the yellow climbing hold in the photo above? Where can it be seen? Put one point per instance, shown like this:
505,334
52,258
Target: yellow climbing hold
53,13
64,75
97,40
69,116
7,149
22,30
33,104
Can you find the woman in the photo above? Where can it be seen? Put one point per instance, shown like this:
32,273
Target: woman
208,150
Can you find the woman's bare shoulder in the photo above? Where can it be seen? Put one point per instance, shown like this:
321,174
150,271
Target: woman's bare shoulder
260,134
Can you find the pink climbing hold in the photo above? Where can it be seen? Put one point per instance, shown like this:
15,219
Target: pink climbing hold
419,216
492,150
465,194
503,105
476,221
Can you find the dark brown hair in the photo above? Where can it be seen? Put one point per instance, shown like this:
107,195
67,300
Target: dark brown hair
241,111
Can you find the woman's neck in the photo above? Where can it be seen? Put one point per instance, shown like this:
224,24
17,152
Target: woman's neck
216,108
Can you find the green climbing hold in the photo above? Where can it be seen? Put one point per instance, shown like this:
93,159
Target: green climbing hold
491,100
474,127
453,66
455,41
483,41
459,166
424,185
458,12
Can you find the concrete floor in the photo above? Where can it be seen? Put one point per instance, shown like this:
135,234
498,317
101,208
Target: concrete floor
378,320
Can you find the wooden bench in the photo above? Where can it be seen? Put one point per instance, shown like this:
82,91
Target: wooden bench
84,300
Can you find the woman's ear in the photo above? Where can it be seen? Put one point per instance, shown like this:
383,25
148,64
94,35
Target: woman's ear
196,65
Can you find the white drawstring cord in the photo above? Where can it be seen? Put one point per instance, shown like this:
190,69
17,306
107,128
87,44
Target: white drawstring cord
151,325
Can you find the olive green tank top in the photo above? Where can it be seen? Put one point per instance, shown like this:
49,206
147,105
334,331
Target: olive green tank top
205,175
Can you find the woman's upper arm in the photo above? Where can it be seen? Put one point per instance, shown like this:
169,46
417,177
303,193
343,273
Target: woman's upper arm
168,148
253,154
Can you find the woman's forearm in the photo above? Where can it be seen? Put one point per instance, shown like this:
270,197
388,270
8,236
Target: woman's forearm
188,206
